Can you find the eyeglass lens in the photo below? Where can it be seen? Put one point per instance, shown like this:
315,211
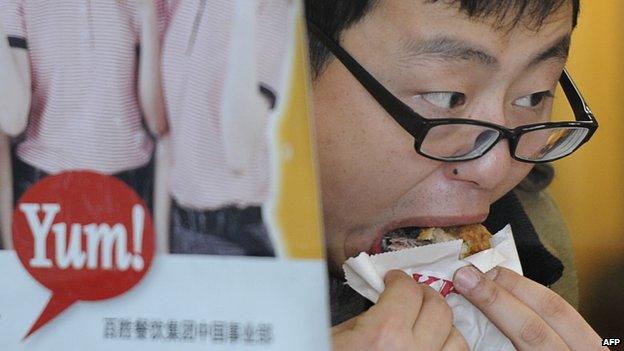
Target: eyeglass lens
456,142
549,144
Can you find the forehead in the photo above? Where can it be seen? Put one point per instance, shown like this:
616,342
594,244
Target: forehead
502,15
409,23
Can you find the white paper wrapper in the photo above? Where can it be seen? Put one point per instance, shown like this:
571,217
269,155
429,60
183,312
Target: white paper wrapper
435,265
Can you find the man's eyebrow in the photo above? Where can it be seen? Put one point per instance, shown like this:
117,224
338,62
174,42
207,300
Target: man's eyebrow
558,51
446,49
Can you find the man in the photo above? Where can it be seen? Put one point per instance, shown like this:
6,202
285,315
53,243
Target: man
14,101
221,88
419,113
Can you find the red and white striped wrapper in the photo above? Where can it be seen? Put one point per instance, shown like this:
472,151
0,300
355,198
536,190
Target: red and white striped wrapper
435,265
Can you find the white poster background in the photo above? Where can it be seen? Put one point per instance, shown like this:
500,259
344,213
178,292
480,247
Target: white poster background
290,296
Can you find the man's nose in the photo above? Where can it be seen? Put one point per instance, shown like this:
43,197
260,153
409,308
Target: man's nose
487,171
494,166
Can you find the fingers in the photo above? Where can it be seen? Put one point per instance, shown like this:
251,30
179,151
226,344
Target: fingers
525,328
434,321
346,325
552,308
344,339
407,316
455,342
388,324
399,304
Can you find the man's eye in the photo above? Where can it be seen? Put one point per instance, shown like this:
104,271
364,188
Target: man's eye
533,99
444,99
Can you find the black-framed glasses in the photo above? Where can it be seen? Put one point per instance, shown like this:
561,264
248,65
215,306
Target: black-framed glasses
461,139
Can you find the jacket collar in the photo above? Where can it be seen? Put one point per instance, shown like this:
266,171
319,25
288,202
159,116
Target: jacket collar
537,262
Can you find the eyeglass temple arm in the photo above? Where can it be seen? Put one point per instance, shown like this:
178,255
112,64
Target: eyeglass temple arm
579,106
402,113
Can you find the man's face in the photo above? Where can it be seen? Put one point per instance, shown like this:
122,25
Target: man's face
441,64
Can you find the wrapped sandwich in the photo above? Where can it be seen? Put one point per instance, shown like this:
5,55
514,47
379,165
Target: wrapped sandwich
431,256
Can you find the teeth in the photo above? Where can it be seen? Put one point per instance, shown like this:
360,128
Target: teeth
409,232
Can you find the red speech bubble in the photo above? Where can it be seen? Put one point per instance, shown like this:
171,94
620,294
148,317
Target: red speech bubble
83,235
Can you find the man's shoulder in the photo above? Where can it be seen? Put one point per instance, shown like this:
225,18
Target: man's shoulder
553,232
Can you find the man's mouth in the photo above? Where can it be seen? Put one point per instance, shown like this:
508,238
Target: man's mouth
399,239
413,236
412,232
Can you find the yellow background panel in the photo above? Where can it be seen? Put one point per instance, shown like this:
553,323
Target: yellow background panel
298,203
588,185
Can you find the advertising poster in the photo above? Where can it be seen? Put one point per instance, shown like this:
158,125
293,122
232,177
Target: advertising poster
160,202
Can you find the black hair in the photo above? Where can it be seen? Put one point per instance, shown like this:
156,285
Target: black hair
335,16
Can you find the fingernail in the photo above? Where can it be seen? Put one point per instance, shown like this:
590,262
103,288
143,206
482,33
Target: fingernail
393,272
467,278
492,273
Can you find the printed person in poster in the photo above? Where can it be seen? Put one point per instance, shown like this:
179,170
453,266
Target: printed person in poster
83,76
14,104
223,63
6,190
383,72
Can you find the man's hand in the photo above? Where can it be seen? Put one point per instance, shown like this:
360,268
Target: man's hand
408,316
532,316
161,126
